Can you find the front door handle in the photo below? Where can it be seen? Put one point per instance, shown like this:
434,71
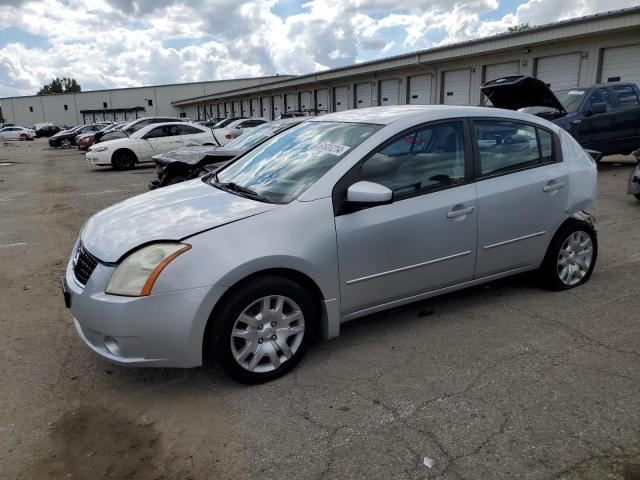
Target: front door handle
553,186
460,212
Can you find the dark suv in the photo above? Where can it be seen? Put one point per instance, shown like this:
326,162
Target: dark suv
133,127
605,118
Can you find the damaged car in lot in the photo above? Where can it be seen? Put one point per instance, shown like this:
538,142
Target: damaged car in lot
633,184
192,162
333,219
67,138
126,153
605,118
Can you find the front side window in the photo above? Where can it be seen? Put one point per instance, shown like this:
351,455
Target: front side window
507,146
164,131
626,95
283,167
428,158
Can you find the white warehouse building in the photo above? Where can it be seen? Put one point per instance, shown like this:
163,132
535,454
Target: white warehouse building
583,51
117,104
598,48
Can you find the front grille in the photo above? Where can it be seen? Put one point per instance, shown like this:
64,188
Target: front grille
85,264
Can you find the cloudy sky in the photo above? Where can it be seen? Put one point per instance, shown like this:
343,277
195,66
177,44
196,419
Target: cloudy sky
120,43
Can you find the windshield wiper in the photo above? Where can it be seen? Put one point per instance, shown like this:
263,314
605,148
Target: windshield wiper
239,189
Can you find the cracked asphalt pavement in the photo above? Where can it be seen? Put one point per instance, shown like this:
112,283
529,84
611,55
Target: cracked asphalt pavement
502,381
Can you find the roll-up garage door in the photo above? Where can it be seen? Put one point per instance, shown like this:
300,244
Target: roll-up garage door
266,107
87,118
237,109
322,101
457,86
246,111
559,71
390,92
276,101
255,107
340,99
420,90
228,109
290,99
500,70
621,64
363,95
305,101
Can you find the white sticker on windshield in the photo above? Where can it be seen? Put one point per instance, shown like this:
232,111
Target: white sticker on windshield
576,92
331,148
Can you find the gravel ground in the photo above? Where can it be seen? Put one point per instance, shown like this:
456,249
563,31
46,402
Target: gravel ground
501,381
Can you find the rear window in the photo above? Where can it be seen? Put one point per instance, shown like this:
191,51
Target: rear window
626,95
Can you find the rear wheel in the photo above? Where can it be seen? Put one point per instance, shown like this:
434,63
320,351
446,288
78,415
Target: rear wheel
23,137
262,330
123,160
571,256
65,143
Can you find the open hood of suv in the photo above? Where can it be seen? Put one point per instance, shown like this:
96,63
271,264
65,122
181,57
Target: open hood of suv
516,92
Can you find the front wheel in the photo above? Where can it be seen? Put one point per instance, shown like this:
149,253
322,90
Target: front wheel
571,257
123,160
262,330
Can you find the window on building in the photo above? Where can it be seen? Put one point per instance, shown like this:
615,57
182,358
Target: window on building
66,107
150,103
104,104
31,109
183,115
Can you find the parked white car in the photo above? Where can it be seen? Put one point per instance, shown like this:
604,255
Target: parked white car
125,153
235,129
16,133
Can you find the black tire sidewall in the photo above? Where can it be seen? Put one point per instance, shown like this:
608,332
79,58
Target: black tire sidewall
120,157
549,270
223,318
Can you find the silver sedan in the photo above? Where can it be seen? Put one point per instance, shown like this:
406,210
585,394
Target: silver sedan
341,216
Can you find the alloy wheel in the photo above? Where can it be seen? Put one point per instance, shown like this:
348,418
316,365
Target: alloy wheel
267,333
65,143
574,258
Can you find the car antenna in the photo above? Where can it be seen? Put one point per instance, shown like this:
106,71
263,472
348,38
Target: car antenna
210,125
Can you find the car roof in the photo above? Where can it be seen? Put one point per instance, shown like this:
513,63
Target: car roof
420,113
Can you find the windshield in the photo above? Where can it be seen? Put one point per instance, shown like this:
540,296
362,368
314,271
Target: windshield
256,136
570,100
282,168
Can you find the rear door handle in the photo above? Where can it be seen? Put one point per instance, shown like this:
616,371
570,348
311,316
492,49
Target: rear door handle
553,186
460,213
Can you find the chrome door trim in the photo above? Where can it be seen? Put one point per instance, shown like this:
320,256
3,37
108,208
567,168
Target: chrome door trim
433,293
404,269
513,240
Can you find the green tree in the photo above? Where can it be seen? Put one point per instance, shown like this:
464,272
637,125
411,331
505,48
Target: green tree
519,28
61,85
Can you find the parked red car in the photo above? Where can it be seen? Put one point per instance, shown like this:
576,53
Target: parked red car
84,141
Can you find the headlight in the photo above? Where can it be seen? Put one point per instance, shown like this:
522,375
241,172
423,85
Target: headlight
137,273
100,149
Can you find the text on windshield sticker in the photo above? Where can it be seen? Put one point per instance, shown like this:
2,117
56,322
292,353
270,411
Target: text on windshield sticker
331,148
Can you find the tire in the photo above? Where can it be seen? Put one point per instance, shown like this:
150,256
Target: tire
123,160
65,143
276,353
571,256
23,137
637,195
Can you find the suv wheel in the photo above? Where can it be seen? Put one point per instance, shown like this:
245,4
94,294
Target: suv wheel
262,330
571,256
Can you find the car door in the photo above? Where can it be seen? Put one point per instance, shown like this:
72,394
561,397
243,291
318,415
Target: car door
597,130
194,136
11,133
426,238
164,138
627,117
522,193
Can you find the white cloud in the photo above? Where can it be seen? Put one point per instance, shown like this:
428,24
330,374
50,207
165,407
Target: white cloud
118,43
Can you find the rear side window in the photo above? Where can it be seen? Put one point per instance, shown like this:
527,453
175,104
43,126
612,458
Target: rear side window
626,95
164,131
188,130
506,146
601,95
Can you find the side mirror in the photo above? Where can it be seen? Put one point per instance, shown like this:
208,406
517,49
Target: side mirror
599,107
368,194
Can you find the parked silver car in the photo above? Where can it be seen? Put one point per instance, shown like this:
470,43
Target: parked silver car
338,217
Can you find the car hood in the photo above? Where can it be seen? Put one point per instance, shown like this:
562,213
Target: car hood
193,155
61,133
516,92
170,213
